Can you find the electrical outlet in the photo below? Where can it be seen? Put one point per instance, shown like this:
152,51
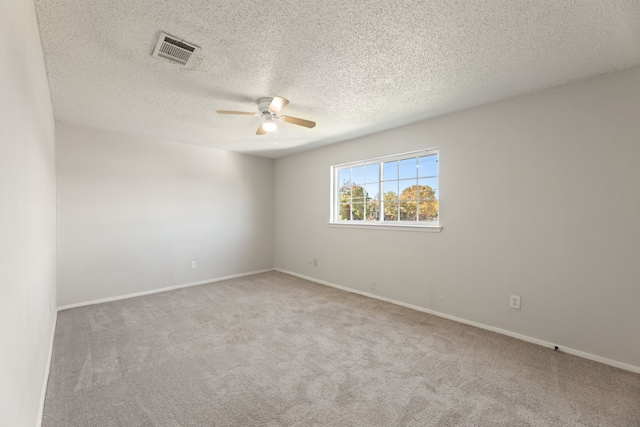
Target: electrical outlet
373,286
309,261
514,302
315,262
193,264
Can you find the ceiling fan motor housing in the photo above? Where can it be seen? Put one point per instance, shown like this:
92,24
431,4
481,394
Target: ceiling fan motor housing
263,105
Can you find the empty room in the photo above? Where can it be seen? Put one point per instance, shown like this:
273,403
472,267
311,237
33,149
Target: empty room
308,213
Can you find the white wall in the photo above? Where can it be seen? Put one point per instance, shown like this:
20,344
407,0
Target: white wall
540,197
134,212
27,215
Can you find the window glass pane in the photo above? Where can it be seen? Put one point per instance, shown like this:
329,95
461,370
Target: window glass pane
428,165
344,193
357,193
357,175
390,170
408,189
372,191
357,211
344,176
390,188
428,188
407,211
345,212
373,210
372,173
428,210
390,207
408,168
404,189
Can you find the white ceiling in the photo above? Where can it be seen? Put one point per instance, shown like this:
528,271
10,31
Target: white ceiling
353,67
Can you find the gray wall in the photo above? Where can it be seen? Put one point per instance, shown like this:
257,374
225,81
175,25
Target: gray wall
27,215
539,198
134,212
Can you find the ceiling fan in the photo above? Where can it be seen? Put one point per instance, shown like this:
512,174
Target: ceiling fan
270,112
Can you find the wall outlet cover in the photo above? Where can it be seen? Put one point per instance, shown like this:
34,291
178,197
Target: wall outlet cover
514,302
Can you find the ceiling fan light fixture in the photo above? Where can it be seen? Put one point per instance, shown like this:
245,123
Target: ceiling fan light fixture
269,125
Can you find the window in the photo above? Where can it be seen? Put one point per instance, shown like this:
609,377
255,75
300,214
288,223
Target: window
395,190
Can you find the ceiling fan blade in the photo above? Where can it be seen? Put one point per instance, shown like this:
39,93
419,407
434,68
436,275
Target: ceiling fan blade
243,113
261,130
299,122
277,104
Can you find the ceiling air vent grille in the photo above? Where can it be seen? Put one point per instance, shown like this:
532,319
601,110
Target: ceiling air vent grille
174,49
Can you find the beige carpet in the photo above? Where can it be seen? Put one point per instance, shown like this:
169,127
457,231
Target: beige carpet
275,350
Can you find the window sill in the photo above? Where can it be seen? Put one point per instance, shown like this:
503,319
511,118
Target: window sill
396,227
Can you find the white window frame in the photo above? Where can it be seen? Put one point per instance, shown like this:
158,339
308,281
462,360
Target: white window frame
381,224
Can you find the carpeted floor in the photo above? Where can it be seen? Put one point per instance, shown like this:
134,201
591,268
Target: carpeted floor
275,350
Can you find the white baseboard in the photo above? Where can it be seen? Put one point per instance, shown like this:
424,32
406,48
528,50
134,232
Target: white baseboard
46,372
543,343
155,291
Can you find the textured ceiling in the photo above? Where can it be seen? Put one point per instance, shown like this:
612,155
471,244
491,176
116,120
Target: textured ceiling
353,67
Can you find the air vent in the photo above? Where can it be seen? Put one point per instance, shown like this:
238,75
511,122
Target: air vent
174,50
